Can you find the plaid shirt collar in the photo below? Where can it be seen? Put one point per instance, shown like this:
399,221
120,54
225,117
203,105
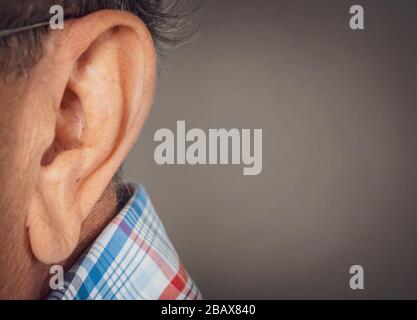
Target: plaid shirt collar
133,259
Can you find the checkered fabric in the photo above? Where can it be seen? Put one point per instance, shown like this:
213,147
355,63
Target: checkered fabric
133,259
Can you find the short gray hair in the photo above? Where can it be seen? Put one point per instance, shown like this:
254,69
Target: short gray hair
169,22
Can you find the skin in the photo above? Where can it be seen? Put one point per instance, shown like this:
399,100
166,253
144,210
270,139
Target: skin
74,120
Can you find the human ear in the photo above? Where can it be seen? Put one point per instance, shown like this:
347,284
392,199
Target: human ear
100,73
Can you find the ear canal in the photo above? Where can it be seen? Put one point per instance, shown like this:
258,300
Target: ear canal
70,126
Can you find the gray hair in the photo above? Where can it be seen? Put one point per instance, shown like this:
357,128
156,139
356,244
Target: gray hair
23,24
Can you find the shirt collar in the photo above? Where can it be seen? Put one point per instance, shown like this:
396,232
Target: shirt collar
132,259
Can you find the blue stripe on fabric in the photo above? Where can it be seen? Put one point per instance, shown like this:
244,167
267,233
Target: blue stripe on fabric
112,248
133,245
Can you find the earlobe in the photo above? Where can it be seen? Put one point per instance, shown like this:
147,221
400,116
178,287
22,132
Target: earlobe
106,95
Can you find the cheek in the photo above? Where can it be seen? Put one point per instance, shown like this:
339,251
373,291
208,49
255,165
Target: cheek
34,134
16,185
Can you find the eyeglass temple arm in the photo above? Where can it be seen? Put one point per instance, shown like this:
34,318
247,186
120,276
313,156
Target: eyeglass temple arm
8,32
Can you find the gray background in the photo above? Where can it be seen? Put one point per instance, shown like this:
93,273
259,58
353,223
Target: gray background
339,183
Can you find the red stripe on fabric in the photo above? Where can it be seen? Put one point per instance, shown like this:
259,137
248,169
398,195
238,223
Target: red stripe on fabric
178,280
165,268
176,285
